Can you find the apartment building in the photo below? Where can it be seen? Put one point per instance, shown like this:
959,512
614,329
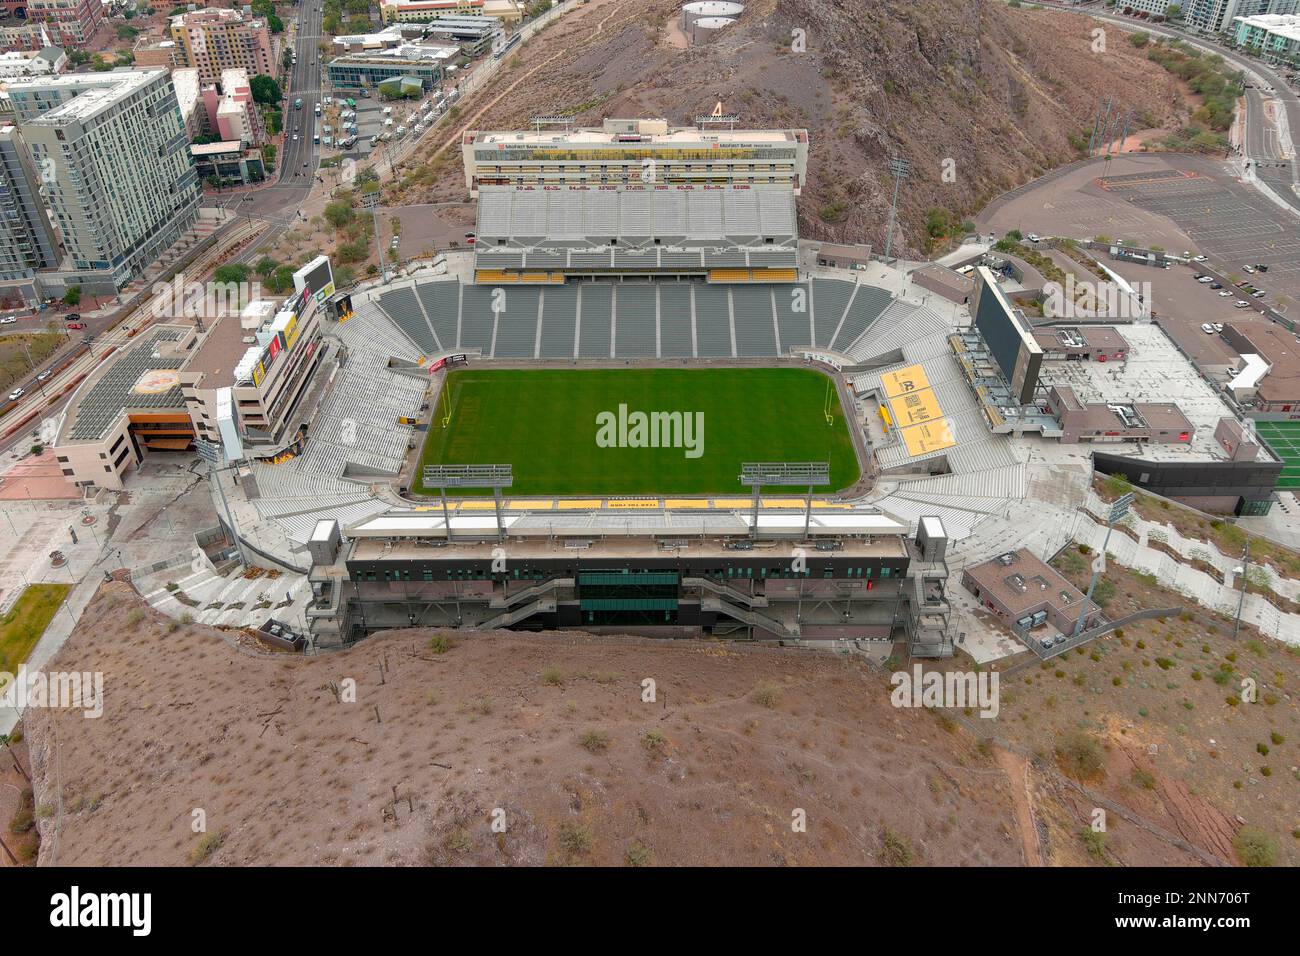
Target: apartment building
70,23
1275,35
1218,16
117,173
16,64
214,40
635,151
232,113
27,241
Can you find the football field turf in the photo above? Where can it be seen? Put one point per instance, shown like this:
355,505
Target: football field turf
545,423
1284,439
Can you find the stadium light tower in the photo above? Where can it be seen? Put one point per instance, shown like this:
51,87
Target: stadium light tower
495,477
370,200
900,169
756,474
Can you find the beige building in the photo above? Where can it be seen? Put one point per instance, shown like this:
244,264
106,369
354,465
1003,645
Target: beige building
244,380
422,11
214,39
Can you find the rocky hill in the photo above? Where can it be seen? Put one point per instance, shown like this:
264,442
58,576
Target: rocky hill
1003,93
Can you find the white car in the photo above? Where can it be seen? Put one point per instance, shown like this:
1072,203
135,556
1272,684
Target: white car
1218,326
16,394
1205,280
1225,294
44,375
9,320
1248,269
1033,238
1241,304
1201,259
1207,328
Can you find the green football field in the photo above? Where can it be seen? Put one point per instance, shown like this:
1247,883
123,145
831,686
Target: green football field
545,424
1284,439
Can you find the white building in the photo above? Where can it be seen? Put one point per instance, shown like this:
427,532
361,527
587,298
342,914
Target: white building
17,64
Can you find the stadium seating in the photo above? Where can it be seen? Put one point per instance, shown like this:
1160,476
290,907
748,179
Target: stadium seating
516,328
712,321
594,336
795,327
476,318
441,301
867,306
675,320
559,306
635,321
830,298
755,328
403,308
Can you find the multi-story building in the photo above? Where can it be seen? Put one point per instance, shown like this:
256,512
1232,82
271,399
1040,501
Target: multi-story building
214,39
24,36
207,370
27,240
1274,35
419,61
16,64
635,151
193,113
1218,16
71,23
116,168
422,11
1154,8
232,112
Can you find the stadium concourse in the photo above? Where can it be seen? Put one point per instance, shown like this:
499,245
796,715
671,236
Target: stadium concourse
865,321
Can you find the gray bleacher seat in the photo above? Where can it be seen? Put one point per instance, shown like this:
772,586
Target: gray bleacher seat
595,327
441,300
517,325
675,320
476,316
559,306
755,331
712,320
402,307
830,296
794,326
866,308
635,326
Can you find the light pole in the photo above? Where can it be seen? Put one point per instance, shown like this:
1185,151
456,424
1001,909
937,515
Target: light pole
1118,511
1241,598
899,168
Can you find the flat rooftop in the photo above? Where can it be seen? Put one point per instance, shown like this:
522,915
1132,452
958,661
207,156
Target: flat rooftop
1021,582
139,377
674,137
219,352
98,91
1154,374
1276,346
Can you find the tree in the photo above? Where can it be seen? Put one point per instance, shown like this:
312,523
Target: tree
275,23
232,272
268,157
265,90
339,213
265,266
281,280
72,296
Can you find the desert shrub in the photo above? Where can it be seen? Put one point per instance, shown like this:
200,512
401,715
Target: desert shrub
1254,847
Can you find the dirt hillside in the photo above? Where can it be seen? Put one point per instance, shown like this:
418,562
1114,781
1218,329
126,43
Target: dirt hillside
996,90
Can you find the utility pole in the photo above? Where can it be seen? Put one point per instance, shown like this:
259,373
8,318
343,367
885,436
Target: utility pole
898,168
1241,598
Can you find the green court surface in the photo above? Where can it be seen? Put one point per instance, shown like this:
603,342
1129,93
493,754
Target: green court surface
564,433
1284,439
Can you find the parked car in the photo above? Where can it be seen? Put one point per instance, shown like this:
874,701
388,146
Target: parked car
16,394
1218,326
44,375
1207,328
1261,267
1205,280
1248,269
76,325
1241,304
1201,259
1216,285
9,320
1034,238
1226,293
1259,293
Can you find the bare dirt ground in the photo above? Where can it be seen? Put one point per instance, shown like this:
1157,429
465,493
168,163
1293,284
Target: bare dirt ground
550,735
1180,744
